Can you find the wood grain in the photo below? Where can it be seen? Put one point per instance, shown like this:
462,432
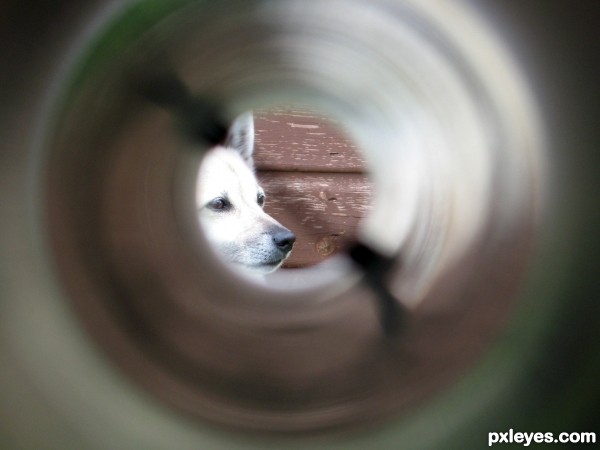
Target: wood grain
314,179
323,210
300,140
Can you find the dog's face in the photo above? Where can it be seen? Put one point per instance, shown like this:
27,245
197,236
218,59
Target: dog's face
230,205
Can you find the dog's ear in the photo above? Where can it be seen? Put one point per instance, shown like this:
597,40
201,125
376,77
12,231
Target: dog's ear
240,137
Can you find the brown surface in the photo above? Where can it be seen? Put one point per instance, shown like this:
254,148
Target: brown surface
323,210
314,179
295,139
231,353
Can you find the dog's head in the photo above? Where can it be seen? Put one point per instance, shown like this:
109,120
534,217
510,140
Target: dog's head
230,205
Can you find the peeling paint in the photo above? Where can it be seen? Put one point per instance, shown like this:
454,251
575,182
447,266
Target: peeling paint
315,181
302,125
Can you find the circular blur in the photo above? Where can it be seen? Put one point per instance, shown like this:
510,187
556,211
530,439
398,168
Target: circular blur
112,274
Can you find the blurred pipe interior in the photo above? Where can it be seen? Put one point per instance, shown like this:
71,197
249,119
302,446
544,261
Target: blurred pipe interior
121,329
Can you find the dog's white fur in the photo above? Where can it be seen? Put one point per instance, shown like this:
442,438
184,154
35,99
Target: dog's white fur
230,202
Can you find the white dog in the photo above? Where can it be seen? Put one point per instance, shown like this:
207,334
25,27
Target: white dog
230,205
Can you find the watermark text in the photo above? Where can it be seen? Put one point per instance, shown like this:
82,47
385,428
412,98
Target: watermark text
518,437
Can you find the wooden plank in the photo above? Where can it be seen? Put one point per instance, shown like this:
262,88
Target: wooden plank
296,139
323,210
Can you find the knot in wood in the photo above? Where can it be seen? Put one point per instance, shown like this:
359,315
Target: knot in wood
325,246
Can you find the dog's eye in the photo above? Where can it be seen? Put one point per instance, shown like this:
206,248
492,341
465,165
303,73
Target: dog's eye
260,199
219,204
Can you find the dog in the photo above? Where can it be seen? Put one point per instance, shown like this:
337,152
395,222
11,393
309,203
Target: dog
230,205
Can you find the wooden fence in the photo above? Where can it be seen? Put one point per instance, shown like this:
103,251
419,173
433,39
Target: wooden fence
314,178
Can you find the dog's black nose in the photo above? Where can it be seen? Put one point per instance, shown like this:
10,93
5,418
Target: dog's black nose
284,239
